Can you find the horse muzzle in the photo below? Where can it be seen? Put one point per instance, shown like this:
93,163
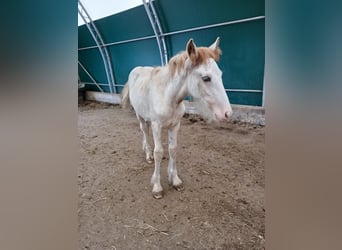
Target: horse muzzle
228,114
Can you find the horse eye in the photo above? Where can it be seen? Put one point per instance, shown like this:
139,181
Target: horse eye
206,78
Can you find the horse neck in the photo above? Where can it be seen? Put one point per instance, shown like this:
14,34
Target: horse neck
177,89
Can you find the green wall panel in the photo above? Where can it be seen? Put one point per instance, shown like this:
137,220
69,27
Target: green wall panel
244,98
243,44
185,14
92,61
125,57
126,25
84,37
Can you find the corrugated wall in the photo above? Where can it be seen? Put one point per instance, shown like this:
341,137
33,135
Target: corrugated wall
243,44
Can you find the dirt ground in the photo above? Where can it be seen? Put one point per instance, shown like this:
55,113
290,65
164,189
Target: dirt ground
222,168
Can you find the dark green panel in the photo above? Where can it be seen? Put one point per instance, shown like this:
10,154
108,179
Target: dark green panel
185,14
244,98
84,37
83,75
243,57
127,56
132,23
92,61
92,87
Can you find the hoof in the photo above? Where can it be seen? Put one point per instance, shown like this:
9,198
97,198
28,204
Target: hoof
149,161
158,195
179,187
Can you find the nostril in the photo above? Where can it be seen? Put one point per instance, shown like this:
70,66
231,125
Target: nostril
228,114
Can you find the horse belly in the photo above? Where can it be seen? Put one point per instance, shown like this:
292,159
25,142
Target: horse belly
140,105
139,91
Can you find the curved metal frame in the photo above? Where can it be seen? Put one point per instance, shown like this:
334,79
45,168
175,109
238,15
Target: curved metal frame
157,29
100,44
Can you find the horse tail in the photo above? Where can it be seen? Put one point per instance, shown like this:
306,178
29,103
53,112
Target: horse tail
125,97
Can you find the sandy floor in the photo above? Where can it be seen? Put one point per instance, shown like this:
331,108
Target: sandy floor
222,168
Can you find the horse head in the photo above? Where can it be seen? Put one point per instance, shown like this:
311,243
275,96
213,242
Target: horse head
204,81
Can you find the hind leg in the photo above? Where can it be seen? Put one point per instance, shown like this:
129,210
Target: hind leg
145,127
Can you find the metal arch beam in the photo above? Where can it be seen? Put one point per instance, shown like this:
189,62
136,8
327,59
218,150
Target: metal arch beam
100,45
157,29
161,35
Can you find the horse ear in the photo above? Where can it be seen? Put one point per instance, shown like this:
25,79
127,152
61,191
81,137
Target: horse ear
215,47
192,51
216,44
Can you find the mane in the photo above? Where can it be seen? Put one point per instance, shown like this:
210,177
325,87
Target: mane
176,63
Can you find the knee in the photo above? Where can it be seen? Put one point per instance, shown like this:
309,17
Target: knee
172,146
158,151
172,150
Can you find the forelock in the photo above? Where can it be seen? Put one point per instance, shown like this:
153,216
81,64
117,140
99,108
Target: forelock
177,63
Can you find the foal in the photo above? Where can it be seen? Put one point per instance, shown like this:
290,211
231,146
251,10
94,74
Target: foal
157,93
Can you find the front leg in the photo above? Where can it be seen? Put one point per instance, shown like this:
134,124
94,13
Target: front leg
157,190
172,168
144,126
